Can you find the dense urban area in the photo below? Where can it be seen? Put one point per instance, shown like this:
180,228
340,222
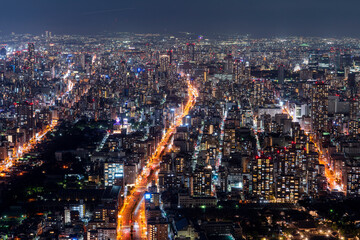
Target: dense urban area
179,136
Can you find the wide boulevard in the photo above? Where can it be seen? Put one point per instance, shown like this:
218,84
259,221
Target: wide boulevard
131,222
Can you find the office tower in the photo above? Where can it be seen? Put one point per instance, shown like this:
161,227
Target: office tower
113,172
281,74
352,84
346,61
287,163
31,52
180,164
346,72
266,122
352,178
237,70
337,56
313,61
152,200
2,68
287,188
157,229
324,61
258,93
228,64
30,60
354,117
319,107
263,178
229,139
190,51
202,182
25,114
164,63
312,171
130,171
170,54
3,53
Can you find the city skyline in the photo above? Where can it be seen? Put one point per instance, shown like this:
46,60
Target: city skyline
258,18
179,120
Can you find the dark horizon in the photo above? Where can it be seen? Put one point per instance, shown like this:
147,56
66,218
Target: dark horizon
259,18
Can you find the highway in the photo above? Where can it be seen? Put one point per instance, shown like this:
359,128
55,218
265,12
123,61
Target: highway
131,216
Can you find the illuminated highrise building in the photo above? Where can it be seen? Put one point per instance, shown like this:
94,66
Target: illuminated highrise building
281,74
353,84
287,188
30,60
190,51
346,60
3,52
2,68
157,229
113,172
354,117
352,178
164,63
258,93
25,114
170,54
202,182
31,52
228,64
152,200
263,178
229,139
319,107
180,164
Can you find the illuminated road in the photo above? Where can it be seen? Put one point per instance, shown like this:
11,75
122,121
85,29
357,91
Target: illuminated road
5,166
254,128
222,133
19,151
333,181
131,220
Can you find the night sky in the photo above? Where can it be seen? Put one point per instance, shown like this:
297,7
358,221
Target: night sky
334,18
